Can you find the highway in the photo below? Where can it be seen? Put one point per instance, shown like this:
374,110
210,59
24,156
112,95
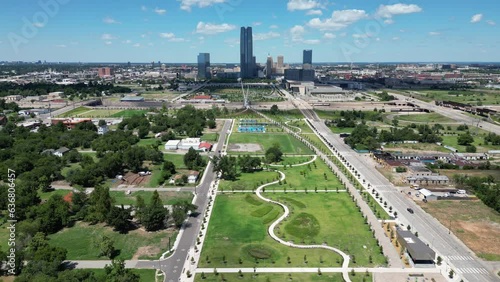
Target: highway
173,265
450,248
452,113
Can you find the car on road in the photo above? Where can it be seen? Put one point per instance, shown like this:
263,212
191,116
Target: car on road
410,210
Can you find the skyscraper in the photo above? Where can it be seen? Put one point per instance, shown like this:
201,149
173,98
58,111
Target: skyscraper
269,67
247,60
203,66
280,62
307,59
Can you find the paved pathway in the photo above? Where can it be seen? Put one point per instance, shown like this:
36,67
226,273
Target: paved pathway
315,270
346,258
301,164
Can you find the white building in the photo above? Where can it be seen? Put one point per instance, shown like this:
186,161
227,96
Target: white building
187,143
172,145
101,130
61,151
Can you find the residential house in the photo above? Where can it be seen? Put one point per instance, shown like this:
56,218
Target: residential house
101,130
61,151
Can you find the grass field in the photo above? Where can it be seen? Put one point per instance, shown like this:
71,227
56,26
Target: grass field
430,118
467,97
129,113
295,160
146,275
478,142
477,225
234,234
78,241
75,112
281,277
330,218
288,144
248,181
304,127
210,137
149,141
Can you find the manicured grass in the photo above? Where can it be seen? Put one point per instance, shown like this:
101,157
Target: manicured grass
44,196
294,160
375,206
75,112
129,113
248,181
78,241
235,234
288,144
330,218
92,154
264,277
148,142
66,169
339,130
168,198
303,125
478,142
316,142
146,275
464,96
178,160
210,137
430,118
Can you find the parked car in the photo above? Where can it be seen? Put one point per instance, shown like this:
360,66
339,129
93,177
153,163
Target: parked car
410,210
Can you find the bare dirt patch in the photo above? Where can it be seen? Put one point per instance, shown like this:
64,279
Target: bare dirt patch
149,251
248,147
477,225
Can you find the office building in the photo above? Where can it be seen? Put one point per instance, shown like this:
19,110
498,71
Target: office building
280,63
204,66
247,60
269,67
307,59
299,74
105,72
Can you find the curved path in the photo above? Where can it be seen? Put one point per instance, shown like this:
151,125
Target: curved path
300,129
301,164
345,264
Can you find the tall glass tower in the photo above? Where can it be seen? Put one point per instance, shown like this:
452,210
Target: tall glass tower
247,64
307,59
203,66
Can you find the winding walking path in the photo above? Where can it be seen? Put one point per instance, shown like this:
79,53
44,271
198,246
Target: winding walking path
345,264
301,164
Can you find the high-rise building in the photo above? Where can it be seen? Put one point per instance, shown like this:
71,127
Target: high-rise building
281,61
204,66
307,59
247,60
105,72
269,67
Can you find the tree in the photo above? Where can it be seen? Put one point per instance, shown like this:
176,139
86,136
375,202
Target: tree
133,158
274,109
100,204
116,272
140,207
105,245
155,215
465,139
119,218
101,123
274,154
227,166
180,210
193,160
249,164
52,215
471,149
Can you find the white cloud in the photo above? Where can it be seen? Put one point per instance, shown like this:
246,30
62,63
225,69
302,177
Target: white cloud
434,33
167,35
311,41
265,36
273,26
144,8
160,11
357,35
476,18
187,4
178,39
388,11
329,35
256,23
137,45
302,5
297,33
39,25
109,20
389,21
209,28
339,20
127,41
490,22
108,37
232,41
314,13
108,42
201,38
395,38
59,46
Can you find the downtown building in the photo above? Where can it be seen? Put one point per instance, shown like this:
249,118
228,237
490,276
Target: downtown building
204,66
247,60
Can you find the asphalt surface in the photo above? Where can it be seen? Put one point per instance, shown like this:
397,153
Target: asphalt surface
173,265
453,251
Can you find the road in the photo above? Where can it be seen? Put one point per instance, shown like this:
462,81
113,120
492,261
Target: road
430,230
173,266
453,114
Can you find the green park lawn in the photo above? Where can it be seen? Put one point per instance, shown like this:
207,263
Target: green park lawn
294,160
304,127
238,230
330,218
129,113
78,240
478,142
177,159
103,113
280,277
288,144
74,112
248,181
146,275
210,137
316,141
150,141
467,97
429,117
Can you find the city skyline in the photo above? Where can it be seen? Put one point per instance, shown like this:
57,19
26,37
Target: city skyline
177,31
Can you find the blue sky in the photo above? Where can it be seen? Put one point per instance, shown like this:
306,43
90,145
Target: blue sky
176,31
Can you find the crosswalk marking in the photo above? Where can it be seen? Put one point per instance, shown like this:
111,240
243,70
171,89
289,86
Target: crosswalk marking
460,258
472,270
